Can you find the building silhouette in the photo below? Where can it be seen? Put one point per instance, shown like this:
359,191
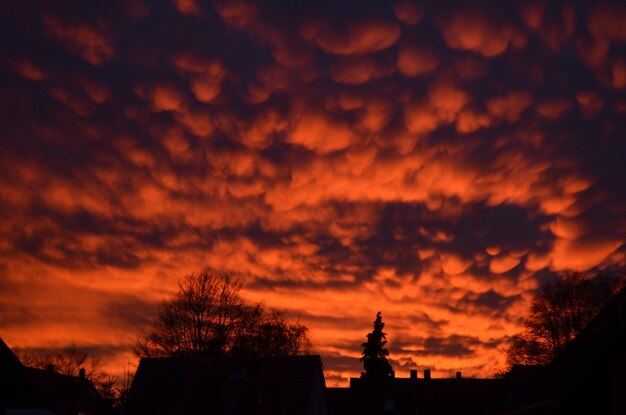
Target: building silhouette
25,390
290,385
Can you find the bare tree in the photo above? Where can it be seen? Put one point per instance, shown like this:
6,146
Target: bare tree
199,319
208,316
122,391
271,333
558,312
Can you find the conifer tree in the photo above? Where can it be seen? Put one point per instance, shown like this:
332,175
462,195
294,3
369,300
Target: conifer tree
374,353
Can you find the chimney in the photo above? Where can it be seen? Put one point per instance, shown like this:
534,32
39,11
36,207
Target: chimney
81,373
50,368
413,374
458,375
427,374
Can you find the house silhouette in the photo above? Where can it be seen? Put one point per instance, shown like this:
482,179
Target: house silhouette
291,385
25,390
424,396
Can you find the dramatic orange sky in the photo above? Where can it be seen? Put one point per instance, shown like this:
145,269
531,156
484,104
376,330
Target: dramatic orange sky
434,162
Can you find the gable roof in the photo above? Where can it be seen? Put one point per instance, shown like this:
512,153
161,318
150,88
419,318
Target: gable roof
8,360
226,385
17,389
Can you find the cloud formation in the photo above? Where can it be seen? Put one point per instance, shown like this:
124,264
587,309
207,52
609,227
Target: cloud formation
434,162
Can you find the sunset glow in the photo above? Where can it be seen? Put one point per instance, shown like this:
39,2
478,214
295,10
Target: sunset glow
432,162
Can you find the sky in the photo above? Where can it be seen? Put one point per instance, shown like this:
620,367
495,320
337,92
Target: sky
434,161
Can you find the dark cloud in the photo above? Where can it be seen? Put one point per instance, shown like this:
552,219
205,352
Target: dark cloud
131,311
450,346
15,316
101,352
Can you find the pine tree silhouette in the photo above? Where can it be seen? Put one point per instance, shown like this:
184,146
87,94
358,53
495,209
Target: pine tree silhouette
374,353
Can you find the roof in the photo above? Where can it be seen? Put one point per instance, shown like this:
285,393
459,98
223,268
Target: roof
400,396
591,367
24,387
68,394
17,389
227,385
603,338
586,377
8,360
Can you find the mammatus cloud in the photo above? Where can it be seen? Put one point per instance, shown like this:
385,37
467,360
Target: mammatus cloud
433,162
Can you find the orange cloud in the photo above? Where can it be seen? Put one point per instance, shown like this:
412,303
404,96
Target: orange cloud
554,29
453,264
605,23
289,50
590,103
73,100
552,109
136,8
581,254
447,100
186,6
608,21
197,121
205,75
93,44
566,228
503,263
376,115
261,132
319,133
165,97
414,60
618,72
206,87
474,31
356,38
238,13
358,70
408,12
419,118
536,262
509,106
175,142
469,121
29,70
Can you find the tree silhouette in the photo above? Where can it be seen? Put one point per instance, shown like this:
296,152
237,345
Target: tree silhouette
374,353
208,316
558,312
271,333
199,319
